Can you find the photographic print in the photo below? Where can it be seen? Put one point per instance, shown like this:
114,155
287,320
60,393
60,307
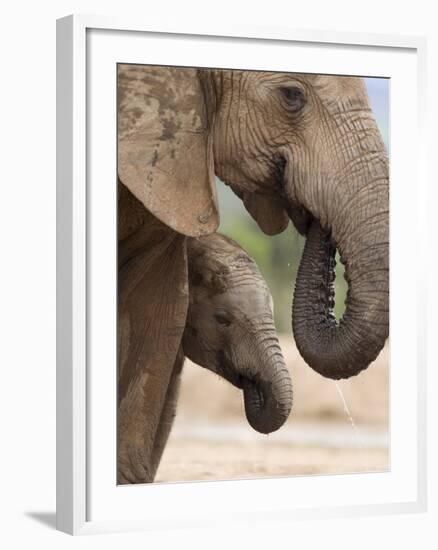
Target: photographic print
253,274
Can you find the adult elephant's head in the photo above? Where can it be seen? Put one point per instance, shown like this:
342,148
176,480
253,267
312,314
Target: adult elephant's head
299,147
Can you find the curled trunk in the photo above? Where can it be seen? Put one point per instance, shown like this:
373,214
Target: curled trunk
268,393
346,208
342,349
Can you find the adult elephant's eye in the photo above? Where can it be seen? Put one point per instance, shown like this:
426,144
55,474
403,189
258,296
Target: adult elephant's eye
294,97
222,320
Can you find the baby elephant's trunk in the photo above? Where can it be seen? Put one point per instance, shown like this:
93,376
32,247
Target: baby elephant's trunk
268,392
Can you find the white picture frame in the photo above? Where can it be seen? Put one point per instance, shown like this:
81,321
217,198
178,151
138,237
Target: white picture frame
87,48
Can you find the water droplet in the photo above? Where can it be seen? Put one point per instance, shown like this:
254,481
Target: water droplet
348,413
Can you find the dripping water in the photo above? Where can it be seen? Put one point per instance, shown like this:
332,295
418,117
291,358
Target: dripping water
348,413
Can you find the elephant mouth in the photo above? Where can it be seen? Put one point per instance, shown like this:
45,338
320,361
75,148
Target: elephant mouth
225,370
298,214
301,218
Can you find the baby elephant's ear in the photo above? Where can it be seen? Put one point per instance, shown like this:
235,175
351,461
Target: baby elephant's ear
165,155
267,212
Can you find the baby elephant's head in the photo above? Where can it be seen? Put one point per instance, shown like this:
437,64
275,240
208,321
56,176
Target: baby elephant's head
230,328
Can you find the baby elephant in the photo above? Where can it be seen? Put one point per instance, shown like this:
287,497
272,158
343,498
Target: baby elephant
230,328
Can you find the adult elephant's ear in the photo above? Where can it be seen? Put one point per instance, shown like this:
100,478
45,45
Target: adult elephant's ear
266,210
165,155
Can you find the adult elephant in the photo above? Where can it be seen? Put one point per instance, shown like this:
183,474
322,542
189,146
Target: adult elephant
294,147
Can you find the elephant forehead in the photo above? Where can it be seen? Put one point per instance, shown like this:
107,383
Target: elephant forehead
246,294
332,88
331,84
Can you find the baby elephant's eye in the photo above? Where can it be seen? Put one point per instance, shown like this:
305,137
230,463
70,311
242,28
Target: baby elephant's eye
295,98
222,320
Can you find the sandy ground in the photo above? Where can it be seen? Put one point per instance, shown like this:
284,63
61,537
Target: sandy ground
192,460
335,427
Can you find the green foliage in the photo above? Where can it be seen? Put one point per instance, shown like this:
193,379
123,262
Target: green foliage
340,288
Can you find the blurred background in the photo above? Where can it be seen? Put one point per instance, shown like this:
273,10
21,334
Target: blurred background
335,427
